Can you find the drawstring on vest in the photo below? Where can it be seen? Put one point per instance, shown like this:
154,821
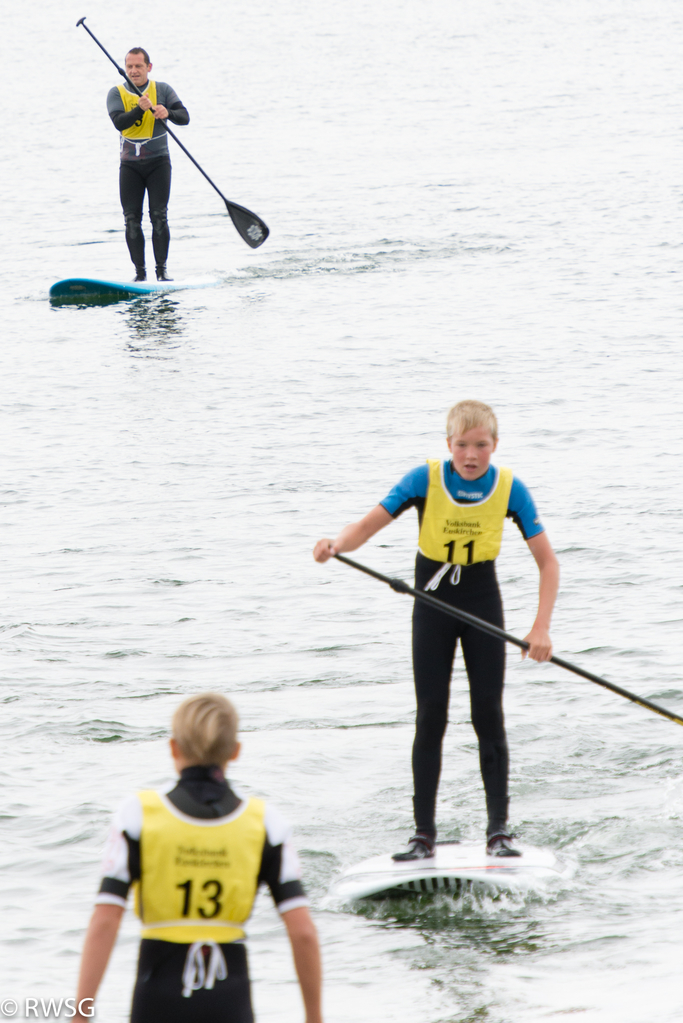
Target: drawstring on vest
138,144
195,973
434,582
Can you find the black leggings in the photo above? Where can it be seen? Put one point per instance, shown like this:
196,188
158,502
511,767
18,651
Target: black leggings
435,637
158,993
154,176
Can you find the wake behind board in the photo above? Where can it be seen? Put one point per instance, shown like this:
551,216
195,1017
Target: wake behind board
84,291
453,865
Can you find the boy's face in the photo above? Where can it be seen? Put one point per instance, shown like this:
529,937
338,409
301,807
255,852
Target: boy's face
472,452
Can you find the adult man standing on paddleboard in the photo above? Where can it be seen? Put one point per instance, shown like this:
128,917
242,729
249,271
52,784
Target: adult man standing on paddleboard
145,160
462,504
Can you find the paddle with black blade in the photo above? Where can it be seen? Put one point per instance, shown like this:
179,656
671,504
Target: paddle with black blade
401,587
250,227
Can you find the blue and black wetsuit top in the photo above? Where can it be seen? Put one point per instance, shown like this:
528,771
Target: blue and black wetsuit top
411,492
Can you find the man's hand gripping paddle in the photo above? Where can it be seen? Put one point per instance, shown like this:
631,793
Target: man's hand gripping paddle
250,227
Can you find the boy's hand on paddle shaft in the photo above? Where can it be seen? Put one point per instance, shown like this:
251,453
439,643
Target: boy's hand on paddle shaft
540,645
324,550
354,535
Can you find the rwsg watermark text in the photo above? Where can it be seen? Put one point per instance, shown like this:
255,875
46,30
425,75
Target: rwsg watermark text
48,1008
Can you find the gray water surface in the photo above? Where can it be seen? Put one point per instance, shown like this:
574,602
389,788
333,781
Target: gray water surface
465,201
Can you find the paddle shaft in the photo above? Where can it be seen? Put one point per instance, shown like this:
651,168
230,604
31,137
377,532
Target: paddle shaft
253,239
402,587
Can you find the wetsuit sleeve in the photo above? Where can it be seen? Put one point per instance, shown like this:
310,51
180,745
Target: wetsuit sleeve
121,119
126,119
280,868
121,859
522,510
410,492
168,98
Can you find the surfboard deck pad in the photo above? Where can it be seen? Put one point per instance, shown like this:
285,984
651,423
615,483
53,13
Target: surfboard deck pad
87,291
454,865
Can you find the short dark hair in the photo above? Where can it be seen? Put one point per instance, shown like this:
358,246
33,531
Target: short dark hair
139,49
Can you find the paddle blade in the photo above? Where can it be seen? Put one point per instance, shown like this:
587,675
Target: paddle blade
249,226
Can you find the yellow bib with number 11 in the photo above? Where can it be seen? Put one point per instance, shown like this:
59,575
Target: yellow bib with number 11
463,534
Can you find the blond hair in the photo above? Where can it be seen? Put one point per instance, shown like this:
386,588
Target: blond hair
205,728
468,415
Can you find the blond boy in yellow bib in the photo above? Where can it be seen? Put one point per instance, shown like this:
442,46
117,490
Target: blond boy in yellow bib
462,503
195,857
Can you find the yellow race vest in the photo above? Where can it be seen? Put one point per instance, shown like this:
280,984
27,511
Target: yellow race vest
143,129
463,534
198,878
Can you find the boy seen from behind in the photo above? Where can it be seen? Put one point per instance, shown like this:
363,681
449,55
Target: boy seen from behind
195,857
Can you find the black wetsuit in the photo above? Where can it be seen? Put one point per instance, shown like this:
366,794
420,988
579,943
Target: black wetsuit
435,638
154,177
146,168
202,792
157,999
473,588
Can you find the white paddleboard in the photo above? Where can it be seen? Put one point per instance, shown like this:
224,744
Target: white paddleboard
453,865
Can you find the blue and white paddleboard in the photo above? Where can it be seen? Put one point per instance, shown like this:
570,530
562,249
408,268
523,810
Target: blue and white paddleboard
453,864
83,290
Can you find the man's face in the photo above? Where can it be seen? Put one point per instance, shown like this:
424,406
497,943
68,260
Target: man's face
137,69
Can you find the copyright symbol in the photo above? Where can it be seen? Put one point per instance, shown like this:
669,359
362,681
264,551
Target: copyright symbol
8,1007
